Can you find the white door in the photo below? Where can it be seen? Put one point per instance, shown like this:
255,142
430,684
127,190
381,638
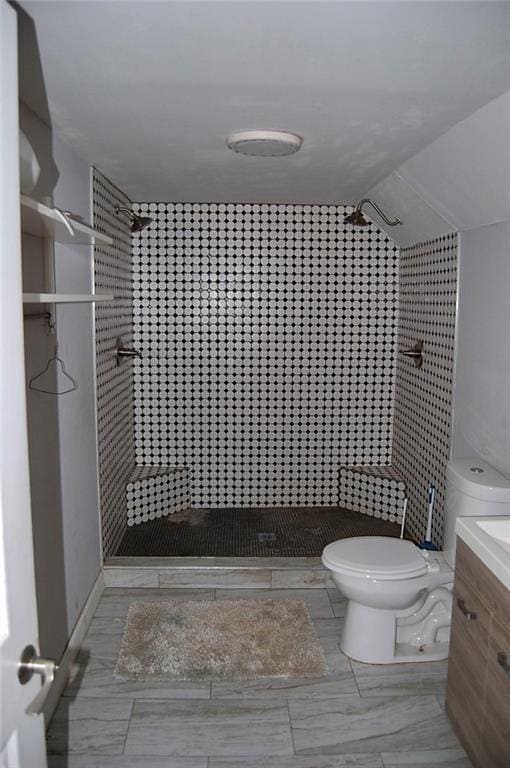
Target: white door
22,735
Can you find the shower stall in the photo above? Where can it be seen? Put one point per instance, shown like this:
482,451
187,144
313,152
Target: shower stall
257,416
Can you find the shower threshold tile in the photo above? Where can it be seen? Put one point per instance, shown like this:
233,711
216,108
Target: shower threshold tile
301,578
246,578
131,577
212,728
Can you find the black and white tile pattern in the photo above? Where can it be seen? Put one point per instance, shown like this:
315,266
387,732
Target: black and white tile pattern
115,401
423,398
374,491
154,492
268,339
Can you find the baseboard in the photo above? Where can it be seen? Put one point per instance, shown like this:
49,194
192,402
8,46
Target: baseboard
73,647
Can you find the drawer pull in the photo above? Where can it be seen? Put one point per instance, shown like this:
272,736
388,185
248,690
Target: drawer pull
503,662
469,615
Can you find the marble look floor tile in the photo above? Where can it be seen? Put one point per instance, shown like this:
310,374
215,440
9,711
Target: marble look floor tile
301,579
211,578
131,577
443,758
316,600
93,677
98,761
338,602
329,627
352,724
115,603
442,700
295,761
105,625
214,728
90,726
427,677
339,682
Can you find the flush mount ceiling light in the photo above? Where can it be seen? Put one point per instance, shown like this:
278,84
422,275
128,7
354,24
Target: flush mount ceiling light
264,143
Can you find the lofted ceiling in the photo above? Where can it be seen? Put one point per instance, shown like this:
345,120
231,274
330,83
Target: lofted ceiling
148,91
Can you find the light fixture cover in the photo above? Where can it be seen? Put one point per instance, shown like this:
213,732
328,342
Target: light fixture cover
264,143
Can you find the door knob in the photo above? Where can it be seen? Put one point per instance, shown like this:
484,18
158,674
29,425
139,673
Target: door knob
29,665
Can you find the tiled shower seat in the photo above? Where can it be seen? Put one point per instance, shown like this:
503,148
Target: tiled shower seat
153,492
377,491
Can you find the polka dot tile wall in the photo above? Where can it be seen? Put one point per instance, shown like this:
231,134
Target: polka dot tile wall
154,492
423,397
374,491
268,338
115,402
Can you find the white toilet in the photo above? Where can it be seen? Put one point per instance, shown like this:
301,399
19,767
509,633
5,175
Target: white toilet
399,596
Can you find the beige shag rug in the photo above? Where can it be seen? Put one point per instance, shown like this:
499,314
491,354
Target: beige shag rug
220,640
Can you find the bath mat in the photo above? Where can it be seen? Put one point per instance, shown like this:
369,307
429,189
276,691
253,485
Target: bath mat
220,640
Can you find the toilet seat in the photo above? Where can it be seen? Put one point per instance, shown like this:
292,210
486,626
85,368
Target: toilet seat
377,557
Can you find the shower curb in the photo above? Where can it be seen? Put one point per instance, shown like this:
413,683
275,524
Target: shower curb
217,573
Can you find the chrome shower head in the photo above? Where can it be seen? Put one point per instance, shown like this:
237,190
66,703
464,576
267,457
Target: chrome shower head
357,219
137,222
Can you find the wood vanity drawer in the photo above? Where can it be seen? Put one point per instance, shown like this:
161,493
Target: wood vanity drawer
496,728
493,593
469,642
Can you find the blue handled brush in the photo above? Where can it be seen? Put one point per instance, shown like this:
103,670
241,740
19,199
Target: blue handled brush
427,543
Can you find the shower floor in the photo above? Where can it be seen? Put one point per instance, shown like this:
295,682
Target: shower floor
278,532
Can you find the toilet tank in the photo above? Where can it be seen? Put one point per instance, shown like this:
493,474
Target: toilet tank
473,489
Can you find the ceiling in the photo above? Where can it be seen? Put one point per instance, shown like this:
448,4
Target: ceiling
149,91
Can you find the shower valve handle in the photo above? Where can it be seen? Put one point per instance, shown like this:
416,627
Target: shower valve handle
122,353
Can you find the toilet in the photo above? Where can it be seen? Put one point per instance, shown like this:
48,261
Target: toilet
399,596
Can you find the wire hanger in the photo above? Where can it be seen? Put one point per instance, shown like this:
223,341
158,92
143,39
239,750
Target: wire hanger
48,382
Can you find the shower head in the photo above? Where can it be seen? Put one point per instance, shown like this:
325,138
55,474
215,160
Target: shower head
357,219
137,222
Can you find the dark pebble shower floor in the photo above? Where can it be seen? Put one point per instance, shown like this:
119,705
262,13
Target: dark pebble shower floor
280,532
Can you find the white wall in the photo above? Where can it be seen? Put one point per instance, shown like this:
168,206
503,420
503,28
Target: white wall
62,436
77,422
482,387
459,182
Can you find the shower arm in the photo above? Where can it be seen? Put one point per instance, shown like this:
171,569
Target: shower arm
389,222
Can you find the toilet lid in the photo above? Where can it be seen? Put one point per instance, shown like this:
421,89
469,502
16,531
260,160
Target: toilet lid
377,556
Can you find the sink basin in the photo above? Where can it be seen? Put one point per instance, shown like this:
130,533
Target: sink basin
498,530
489,538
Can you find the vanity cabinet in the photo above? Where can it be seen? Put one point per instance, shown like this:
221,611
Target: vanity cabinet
478,687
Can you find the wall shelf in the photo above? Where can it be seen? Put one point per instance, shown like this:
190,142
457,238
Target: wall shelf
66,298
43,221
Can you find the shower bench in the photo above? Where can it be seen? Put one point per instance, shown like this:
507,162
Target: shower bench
377,491
153,492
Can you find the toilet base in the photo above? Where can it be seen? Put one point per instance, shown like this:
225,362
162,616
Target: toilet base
420,633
